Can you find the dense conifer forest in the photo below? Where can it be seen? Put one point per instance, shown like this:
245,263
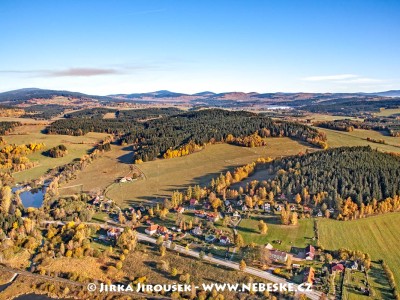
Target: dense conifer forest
357,172
89,113
153,138
148,113
135,114
45,112
82,126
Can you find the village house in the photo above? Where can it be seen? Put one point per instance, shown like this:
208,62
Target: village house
200,213
269,246
296,266
113,232
176,229
162,230
193,202
213,217
310,252
224,240
337,268
197,230
152,229
210,238
180,209
219,231
96,201
309,275
354,265
278,256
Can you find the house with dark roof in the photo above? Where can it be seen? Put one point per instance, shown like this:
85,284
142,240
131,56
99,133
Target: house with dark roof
354,265
210,238
113,232
224,240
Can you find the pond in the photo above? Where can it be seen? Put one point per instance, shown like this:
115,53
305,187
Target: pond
32,197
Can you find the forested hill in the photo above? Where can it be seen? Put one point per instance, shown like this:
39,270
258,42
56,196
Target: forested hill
187,131
357,172
35,93
205,126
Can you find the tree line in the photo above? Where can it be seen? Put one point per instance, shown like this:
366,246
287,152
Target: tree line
389,124
14,157
7,127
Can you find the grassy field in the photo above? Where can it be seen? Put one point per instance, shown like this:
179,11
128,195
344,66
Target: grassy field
298,236
353,280
166,175
358,138
103,171
76,146
376,235
314,117
23,120
388,112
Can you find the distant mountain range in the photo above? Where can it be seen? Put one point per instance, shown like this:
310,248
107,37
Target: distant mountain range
208,98
392,93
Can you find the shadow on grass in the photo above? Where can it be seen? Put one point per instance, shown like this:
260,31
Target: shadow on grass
128,157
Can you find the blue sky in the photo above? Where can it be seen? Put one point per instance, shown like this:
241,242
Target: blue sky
105,47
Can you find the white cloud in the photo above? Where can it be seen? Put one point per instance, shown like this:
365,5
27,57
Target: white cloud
343,79
331,77
360,80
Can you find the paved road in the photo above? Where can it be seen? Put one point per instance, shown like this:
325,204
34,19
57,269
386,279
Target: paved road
313,295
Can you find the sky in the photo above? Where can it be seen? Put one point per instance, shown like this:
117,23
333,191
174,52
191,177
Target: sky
109,47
